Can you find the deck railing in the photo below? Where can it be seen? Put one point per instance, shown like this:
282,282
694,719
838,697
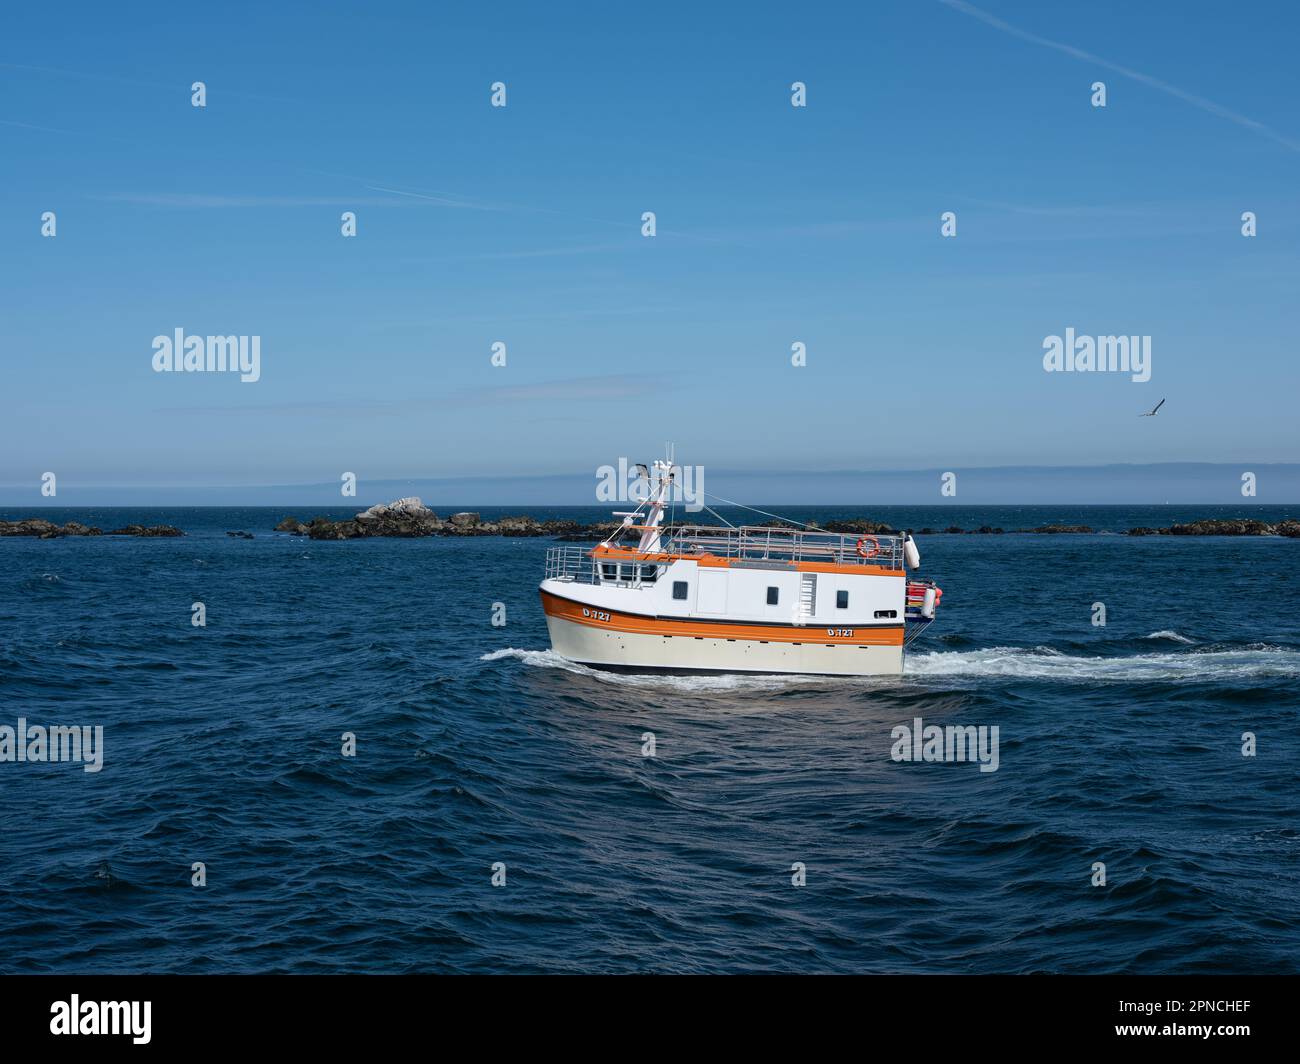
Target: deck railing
570,561
760,543
576,563
756,544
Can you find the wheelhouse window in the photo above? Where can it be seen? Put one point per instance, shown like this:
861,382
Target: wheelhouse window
679,589
609,571
841,600
649,574
773,594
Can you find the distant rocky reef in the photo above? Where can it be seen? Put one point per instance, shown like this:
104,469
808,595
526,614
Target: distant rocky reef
409,518
1240,527
41,529
1236,527
875,528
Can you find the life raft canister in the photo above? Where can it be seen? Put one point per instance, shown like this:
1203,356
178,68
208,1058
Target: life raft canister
874,549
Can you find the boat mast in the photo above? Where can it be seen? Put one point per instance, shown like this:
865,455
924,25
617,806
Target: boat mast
652,532
660,486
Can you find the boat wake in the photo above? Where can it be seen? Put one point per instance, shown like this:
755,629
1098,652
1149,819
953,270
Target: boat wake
1044,663
729,681
1257,662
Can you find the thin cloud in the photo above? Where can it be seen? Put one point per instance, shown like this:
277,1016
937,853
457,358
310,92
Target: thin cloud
574,389
180,87
1063,210
451,199
444,200
28,125
577,388
573,249
67,132
1209,106
200,201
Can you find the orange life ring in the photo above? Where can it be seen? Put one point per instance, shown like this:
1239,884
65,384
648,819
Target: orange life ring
875,547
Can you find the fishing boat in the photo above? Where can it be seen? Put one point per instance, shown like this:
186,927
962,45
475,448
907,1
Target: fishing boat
721,598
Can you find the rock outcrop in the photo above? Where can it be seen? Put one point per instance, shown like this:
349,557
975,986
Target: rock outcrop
1231,527
42,529
409,518
1056,530
579,533
410,507
146,530
406,518
1223,528
858,527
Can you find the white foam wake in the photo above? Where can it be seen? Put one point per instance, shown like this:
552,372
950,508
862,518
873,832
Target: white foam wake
541,658
1259,662
1018,663
730,681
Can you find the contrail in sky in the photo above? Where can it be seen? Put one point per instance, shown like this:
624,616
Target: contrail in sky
1208,106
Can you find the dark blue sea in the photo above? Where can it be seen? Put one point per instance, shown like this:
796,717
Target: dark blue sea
475,745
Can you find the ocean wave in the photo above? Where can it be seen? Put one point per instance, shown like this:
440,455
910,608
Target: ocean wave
1260,662
1172,636
44,582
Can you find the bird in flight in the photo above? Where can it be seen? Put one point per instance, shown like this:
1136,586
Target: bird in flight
1152,413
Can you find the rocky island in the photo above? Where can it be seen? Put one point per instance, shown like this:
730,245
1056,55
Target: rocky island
409,517
42,529
1240,527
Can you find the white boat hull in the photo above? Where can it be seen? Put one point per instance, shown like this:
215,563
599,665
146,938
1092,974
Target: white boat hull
609,648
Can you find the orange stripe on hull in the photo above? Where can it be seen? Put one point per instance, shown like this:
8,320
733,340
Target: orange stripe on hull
613,620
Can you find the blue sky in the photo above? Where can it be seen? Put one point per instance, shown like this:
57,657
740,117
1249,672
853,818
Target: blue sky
522,224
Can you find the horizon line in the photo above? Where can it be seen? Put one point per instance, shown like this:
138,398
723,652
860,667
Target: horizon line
723,471
603,505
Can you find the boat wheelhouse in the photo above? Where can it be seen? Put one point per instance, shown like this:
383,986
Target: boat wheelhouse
757,598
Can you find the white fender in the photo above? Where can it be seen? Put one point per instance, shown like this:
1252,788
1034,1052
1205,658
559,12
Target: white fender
927,605
910,553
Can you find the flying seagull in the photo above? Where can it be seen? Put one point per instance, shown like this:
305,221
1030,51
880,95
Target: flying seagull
1153,409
